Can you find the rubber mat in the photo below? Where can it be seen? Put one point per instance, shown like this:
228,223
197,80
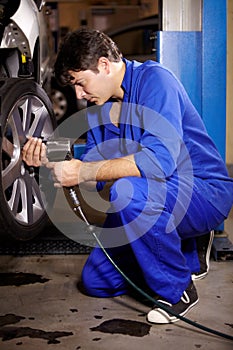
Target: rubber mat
54,244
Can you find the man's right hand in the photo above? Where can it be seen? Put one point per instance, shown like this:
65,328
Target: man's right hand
34,152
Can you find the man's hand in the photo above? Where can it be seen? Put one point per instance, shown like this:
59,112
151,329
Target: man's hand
65,173
34,152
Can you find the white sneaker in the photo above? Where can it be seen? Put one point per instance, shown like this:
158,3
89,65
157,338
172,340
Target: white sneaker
187,301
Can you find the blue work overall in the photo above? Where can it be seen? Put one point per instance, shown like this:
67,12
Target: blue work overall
184,190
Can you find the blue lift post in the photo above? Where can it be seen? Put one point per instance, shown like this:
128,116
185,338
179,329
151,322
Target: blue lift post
199,61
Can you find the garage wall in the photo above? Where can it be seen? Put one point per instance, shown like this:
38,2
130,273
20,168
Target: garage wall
110,14
70,14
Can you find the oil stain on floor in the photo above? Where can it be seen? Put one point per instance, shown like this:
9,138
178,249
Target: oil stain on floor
8,333
20,278
12,332
121,326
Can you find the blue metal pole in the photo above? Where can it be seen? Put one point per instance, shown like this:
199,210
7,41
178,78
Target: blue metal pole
214,70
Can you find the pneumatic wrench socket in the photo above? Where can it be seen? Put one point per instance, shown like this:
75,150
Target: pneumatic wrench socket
58,150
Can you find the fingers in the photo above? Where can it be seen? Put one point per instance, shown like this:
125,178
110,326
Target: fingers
50,165
34,154
55,173
64,173
43,155
33,151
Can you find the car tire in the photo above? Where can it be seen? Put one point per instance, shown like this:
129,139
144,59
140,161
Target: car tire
64,101
25,111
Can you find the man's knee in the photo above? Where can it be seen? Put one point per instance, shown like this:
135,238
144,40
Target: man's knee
88,282
92,283
101,279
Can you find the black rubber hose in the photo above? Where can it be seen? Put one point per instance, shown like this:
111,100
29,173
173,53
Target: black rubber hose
91,228
161,306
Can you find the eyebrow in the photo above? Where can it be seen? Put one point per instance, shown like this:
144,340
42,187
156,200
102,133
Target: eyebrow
78,81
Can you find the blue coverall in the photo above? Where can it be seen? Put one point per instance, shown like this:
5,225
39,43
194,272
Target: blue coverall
184,190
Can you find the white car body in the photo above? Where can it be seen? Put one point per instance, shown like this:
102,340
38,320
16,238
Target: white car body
20,33
26,27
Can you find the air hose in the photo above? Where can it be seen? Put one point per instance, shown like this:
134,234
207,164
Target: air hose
91,229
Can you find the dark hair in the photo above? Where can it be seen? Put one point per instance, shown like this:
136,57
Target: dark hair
81,50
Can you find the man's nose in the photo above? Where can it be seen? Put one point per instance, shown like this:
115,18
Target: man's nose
79,92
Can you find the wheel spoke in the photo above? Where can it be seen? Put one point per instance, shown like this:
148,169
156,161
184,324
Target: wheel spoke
15,197
37,126
32,205
22,200
26,202
27,199
18,126
39,202
7,147
10,175
27,114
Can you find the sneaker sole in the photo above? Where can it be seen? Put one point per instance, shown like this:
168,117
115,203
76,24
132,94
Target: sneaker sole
160,316
196,277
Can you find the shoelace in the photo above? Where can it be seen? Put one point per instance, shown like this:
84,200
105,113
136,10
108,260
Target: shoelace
185,298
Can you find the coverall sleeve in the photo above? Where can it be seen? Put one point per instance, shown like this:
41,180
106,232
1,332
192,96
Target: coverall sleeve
161,104
91,153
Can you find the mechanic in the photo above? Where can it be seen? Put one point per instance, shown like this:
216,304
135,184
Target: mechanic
169,186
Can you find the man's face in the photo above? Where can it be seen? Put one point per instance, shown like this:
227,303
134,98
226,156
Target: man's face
92,86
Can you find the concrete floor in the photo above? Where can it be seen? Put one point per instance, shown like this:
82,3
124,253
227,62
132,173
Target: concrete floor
47,310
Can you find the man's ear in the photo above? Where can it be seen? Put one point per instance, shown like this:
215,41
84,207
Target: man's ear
104,64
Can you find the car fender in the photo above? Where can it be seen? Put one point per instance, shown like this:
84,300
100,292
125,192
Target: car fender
30,28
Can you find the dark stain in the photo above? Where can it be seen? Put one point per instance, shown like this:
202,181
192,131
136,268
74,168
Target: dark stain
168,330
10,319
74,310
98,317
218,296
96,339
20,278
229,324
8,333
198,346
120,326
